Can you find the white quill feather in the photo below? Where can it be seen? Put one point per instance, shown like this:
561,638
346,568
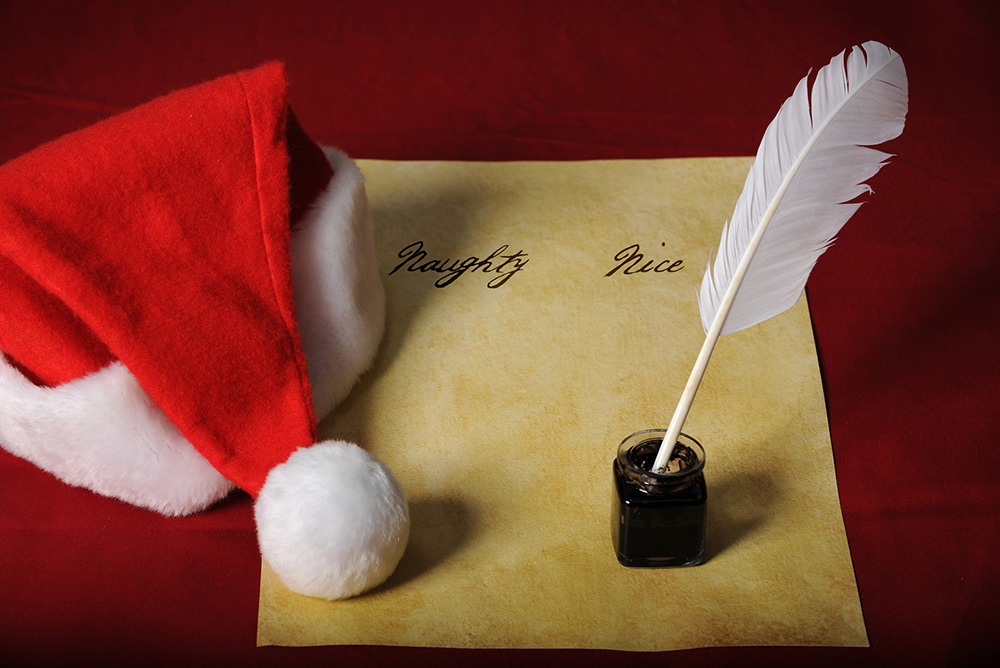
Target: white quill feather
811,164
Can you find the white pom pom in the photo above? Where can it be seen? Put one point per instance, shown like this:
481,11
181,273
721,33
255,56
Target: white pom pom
332,521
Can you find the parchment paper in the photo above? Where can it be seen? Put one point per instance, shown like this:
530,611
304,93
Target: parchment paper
500,410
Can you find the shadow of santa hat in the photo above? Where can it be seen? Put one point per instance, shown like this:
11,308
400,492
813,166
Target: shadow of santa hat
187,288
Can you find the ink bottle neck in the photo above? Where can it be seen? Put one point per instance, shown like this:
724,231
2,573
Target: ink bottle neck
635,461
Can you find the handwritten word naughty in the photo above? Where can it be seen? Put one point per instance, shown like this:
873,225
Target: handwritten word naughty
630,261
501,263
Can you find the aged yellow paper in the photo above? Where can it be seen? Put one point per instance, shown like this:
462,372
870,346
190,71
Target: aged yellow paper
523,343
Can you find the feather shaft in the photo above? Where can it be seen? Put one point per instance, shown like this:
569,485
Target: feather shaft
707,348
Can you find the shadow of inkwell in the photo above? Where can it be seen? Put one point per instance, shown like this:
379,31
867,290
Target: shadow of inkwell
739,505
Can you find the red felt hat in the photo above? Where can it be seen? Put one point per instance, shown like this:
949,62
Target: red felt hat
187,287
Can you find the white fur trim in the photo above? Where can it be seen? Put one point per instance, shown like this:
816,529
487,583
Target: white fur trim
104,433
332,521
339,298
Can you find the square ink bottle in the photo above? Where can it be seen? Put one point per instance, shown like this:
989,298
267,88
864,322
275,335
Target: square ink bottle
658,519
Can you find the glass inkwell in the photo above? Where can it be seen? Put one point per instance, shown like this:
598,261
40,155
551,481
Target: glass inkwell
658,519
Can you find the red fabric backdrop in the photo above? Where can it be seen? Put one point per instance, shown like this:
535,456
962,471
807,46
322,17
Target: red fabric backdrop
904,306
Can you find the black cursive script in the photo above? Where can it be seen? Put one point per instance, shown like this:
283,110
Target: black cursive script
499,262
629,259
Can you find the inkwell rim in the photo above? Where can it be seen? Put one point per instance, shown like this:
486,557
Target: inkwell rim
650,482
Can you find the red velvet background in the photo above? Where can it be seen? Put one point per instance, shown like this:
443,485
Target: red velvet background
904,306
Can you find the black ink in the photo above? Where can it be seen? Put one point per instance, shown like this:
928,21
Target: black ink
505,265
629,259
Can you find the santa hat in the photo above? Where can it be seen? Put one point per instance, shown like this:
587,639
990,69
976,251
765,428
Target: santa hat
186,288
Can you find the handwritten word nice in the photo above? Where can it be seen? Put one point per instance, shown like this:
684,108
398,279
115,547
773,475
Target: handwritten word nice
499,262
630,261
